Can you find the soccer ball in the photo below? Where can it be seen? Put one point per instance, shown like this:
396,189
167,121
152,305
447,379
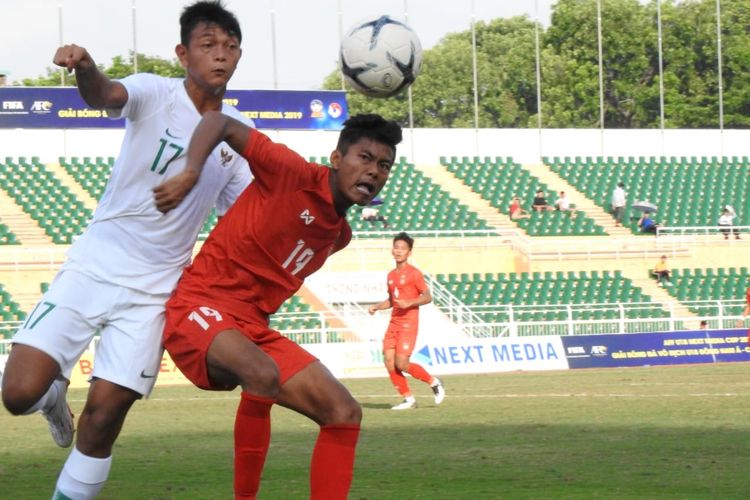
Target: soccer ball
381,57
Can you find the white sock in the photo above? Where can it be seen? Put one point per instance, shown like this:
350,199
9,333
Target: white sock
46,402
82,477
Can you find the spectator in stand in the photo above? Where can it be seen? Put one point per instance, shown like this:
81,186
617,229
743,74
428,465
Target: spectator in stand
562,204
540,202
618,203
371,215
647,224
662,272
726,221
515,210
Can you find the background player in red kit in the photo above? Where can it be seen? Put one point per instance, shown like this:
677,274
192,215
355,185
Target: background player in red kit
406,292
280,230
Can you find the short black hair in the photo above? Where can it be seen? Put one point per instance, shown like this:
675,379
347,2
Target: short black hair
402,236
371,126
210,12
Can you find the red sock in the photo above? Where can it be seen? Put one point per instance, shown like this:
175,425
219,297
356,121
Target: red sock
332,466
419,373
252,434
399,382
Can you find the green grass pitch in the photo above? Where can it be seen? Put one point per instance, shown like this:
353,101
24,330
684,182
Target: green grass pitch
654,432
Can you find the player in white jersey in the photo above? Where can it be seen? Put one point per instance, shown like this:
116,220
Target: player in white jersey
121,271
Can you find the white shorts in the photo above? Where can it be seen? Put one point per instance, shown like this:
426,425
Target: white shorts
130,324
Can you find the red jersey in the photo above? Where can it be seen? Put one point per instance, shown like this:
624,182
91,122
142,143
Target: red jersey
405,283
280,230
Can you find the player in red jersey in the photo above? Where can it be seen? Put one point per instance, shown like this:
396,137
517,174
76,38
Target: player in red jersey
746,311
280,230
406,292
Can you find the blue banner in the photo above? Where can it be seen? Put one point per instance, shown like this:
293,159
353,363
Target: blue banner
643,349
63,108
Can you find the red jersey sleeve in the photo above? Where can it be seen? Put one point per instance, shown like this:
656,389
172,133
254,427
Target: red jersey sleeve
276,168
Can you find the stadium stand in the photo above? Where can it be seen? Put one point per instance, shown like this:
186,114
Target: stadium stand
10,313
8,237
497,180
407,188
92,175
688,191
41,195
704,284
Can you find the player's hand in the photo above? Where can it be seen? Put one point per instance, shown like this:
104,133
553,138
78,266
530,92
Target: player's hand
169,194
73,57
403,304
371,310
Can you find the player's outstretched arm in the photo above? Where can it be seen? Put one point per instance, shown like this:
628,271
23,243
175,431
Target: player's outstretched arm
94,86
213,129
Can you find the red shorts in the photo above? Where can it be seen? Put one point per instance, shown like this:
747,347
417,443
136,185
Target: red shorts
190,329
401,337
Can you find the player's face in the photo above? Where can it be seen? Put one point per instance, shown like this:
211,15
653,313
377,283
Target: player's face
400,251
360,174
211,56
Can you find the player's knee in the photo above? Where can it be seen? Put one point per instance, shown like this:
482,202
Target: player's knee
261,378
18,397
347,411
402,364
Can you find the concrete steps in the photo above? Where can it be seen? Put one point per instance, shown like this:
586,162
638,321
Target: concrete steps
465,195
593,211
21,223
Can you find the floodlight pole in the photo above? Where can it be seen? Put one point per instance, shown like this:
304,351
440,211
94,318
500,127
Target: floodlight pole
135,42
341,36
273,43
720,79
408,93
661,74
60,34
475,76
538,77
601,74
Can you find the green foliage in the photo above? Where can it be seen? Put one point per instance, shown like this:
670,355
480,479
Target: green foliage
443,95
119,68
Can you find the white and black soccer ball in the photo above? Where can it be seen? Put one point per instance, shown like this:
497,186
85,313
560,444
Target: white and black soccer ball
381,57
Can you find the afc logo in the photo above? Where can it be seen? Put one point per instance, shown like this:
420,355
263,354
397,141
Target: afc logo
598,350
41,106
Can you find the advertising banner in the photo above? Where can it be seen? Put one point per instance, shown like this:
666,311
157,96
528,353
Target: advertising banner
643,349
500,354
63,108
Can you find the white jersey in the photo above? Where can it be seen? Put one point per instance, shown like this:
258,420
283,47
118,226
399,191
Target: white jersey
128,241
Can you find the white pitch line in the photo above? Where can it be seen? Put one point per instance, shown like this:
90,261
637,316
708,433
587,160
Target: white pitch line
488,396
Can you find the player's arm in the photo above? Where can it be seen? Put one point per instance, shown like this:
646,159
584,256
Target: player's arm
213,129
95,87
424,298
380,306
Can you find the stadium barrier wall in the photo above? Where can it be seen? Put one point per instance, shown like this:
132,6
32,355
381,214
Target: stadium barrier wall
426,146
504,354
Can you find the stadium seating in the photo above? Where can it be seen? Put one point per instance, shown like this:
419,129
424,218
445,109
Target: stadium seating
688,191
709,284
541,289
8,237
41,195
92,175
408,188
497,180
9,311
296,319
